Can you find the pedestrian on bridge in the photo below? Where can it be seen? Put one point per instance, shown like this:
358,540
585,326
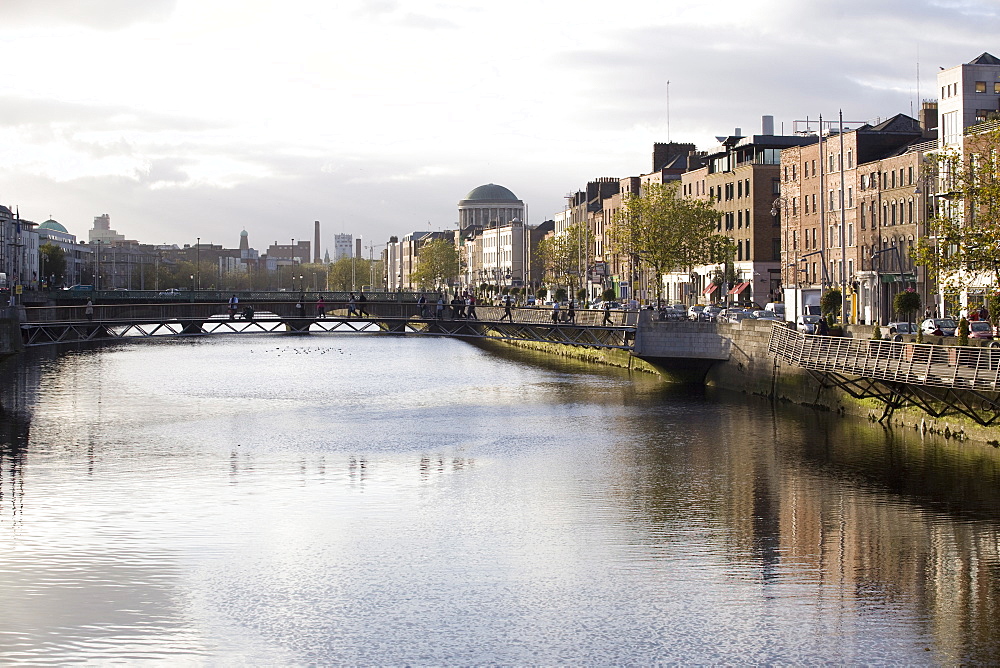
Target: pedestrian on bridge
440,308
555,312
320,308
506,310
422,303
571,312
233,302
352,305
299,311
471,312
88,311
362,300
607,313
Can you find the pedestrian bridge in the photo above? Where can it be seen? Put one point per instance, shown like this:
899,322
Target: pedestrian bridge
71,324
938,379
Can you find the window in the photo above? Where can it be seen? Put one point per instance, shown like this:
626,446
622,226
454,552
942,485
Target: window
814,167
832,205
739,189
786,172
874,215
980,86
793,172
739,220
775,249
850,234
795,206
996,88
893,213
909,176
814,202
746,187
850,198
894,178
746,217
885,180
775,187
850,159
739,251
831,164
862,216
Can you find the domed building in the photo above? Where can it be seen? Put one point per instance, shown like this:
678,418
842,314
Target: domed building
489,205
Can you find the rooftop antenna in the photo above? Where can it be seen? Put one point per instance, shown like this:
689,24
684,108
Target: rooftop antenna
668,111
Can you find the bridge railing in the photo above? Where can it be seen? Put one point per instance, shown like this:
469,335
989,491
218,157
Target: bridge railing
963,367
333,309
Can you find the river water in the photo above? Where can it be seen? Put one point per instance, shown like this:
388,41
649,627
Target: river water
361,499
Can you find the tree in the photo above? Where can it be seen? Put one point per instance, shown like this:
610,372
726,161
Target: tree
53,262
437,264
962,247
665,231
830,303
906,303
561,255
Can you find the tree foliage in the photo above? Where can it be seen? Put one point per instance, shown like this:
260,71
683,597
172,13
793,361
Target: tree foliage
665,231
906,303
53,262
831,301
437,264
962,247
561,254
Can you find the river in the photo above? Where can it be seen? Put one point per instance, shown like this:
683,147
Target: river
363,499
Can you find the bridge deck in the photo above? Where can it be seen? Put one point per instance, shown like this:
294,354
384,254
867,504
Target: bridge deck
54,325
923,364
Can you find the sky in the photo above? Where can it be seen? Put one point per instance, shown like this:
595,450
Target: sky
187,119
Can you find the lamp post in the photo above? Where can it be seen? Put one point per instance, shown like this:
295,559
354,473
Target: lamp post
192,287
197,254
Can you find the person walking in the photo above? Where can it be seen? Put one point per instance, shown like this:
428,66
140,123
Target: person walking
362,301
440,308
88,310
607,314
298,309
352,303
571,312
555,312
320,307
471,312
422,303
233,303
506,310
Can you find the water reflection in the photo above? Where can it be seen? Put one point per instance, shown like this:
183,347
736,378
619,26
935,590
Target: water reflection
390,500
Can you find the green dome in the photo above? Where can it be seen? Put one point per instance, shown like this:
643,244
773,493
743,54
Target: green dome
54,226
491,193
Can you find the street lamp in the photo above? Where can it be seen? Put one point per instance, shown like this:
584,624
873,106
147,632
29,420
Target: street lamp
197,254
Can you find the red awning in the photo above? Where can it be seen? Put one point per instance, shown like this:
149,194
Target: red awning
739,287
710,289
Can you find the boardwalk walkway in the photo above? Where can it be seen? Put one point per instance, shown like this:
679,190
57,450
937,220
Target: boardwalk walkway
938,379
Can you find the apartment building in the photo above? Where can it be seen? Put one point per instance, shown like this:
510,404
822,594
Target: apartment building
742,178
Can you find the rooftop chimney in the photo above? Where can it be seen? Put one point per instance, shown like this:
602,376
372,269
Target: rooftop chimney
767,125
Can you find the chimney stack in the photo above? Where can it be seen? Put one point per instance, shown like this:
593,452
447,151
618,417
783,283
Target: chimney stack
316,257
767,125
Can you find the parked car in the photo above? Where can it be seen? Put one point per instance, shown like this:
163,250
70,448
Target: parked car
807,323
694,313
711,313
980,329
901,328
946,325
766,315
777,308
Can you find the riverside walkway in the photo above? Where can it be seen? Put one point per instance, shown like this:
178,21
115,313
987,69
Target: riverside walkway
935,378
70,324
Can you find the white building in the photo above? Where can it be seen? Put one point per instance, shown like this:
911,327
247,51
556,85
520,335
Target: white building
343,246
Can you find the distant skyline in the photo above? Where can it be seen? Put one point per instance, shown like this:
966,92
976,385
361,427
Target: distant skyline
184,118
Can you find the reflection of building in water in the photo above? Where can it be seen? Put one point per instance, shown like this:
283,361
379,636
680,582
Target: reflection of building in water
13,447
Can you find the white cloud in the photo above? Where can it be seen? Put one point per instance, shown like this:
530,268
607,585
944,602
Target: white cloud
379,115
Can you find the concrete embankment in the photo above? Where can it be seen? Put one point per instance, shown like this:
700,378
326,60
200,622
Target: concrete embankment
734,357
10,332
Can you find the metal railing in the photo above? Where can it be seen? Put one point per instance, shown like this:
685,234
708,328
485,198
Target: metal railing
371,310
955,367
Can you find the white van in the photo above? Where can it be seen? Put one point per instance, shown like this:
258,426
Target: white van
777,308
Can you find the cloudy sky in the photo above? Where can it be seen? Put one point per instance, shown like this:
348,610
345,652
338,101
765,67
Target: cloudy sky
186,118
